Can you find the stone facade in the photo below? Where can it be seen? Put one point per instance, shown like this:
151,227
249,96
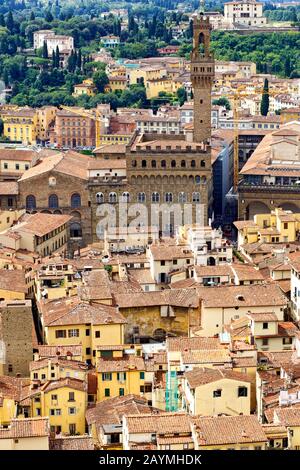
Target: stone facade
164,170
202,76
16,325
56,192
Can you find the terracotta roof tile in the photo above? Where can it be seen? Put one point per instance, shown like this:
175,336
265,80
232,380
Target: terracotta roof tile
224,430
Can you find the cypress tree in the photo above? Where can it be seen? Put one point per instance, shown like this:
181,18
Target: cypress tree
53,60
45,51
265,101
57,58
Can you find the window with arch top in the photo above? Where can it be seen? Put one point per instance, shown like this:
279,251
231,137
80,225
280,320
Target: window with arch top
30,202
53,201
75,200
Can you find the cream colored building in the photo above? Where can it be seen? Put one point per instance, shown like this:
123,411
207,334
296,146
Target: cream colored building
221,305
210,392
39,233
26,434
245,12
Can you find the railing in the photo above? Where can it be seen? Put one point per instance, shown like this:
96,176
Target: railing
248,187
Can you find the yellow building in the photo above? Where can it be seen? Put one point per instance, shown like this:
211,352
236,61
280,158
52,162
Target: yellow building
40,233
12,284
290,419
209,392
64,401
10,388
278,226
290,114
120,374
45,117
68,322
20,125
109,139
43,370
159,85
87,87
56,278
9,217
228,433
153,314
25,434
136,75
116,83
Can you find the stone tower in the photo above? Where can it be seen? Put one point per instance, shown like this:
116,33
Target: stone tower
202,75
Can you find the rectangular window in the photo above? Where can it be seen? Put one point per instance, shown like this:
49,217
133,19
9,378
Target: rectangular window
88,351
72,411
87,332
71,396
73,333
265,326
265,341
162,263
35,376
54,397
17,166
121,392
60,334
142,375
242,392
97,334
121,376
287,340
106,376
217,393
107,392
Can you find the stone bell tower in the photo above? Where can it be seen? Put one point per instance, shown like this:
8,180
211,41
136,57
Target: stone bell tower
202,76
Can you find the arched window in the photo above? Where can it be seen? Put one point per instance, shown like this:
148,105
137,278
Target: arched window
168,197
204,179
141,197
193,163
125,197
196,197
112,197
182,198
75,200
53,201
197,179
133,163
202,164
173,163
144,164
163,164
155,197
183,164
99,198
75,230
153,163
30,202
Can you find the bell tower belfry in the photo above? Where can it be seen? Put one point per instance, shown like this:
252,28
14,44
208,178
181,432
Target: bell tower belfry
202,76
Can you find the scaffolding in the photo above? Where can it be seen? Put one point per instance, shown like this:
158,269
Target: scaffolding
172,401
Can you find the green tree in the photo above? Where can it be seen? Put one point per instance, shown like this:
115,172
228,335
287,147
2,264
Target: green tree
181,95
265,101
223,101
45,54
100,79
